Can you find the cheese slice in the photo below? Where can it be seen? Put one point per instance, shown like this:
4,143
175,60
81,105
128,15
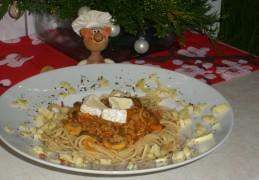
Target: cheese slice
120,103
118,113
115,115
92,105
93,101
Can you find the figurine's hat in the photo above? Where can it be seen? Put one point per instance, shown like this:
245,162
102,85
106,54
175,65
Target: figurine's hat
91,19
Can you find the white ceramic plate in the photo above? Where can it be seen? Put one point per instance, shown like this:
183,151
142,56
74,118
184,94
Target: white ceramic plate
44,88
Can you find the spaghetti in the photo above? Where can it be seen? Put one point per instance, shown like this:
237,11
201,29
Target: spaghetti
151,132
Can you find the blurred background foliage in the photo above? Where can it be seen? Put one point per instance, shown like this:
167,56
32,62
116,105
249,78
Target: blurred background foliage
241,27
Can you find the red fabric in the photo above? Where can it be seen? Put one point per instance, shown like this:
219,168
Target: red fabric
26,56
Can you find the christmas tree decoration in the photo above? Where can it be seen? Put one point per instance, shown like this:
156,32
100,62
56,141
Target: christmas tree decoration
14,12
93,27
141,45
133,16
162,23
82,10
115,28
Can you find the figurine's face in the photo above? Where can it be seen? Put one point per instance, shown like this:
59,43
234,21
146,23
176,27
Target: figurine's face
96,38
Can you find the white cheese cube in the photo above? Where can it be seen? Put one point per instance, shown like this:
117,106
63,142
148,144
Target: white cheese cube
66,157
9,130
132,166
103,83
20,103
24,128
184,103
202,105
219,109
209,119
70,89
216,127
140,84
197,111
178,156
203,143
39,120
37,149
187,152
200,130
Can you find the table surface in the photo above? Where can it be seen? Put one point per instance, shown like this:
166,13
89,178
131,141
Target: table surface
237,158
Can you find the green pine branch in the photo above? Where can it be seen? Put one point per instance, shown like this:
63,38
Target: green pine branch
133,15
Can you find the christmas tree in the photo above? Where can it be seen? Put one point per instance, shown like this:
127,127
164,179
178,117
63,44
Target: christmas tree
132,15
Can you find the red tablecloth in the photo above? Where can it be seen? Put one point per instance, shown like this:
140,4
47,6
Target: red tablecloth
26,56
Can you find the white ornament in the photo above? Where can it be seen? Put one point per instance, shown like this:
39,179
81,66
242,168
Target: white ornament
115,28
141,46
82,10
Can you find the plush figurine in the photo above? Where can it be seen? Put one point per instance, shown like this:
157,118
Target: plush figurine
93,27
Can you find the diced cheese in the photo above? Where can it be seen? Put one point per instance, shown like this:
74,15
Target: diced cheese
200,139
178,156
216,127
33,130
103,83
162,161
200,130
132,166
209,119
37,136
115,115
77,158
62,95
184,103
37,149
167,92
187,152
182,155
24,128
153,78
197,111
39,120
70,89
9,130
66,157
219,109
190,108
184,123
140,84
201,105
120,103
185,117
202,143
21,103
